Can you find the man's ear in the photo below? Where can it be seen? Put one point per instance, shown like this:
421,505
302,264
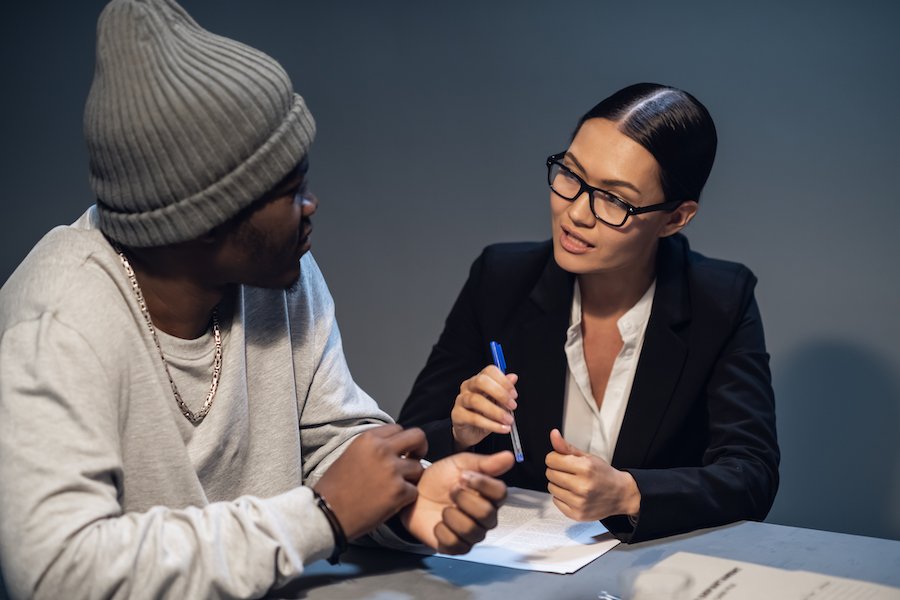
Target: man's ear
679,218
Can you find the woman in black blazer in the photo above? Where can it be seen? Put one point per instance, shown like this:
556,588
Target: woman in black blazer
648,356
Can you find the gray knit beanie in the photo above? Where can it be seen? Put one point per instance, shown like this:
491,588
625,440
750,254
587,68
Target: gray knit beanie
184,128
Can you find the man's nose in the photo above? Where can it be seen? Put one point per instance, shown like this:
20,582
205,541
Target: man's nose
309,202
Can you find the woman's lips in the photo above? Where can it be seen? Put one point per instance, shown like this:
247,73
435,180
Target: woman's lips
572,243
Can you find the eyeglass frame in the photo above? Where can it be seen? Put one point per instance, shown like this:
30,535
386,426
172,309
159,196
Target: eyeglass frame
630,209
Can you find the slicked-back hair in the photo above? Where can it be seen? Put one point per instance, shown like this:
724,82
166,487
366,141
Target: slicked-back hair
670,124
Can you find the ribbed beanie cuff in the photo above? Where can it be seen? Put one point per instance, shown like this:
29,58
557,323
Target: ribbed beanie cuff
184,128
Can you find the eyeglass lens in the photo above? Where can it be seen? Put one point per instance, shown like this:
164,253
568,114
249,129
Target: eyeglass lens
570,186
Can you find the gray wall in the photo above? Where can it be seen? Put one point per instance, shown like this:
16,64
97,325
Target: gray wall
434,120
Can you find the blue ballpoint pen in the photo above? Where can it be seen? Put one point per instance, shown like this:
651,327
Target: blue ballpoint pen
500,363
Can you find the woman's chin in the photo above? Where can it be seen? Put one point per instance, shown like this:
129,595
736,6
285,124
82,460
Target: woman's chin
573,263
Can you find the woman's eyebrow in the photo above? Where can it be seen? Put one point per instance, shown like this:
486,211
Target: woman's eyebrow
605,182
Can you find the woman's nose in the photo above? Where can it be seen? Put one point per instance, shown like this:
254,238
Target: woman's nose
580,211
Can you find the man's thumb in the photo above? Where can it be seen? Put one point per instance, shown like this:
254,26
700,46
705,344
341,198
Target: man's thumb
496,464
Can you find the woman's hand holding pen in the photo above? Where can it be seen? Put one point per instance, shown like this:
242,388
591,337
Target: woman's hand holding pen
482,406
586,487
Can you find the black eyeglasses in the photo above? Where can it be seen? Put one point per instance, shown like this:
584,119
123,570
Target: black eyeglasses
606,206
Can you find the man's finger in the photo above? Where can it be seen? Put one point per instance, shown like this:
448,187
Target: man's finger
477,507
408,496
486,486
466,528
449,542
494,464
410,442
410,469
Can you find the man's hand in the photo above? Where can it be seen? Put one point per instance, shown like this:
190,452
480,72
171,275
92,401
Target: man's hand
374,478
586,487
458,501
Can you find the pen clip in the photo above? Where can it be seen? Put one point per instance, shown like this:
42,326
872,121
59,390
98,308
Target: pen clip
497,353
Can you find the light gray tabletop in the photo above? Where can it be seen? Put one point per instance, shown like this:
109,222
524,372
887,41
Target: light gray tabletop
380,574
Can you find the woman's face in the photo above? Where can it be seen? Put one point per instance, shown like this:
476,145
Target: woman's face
606,158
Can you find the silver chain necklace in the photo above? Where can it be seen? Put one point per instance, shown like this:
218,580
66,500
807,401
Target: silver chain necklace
217,360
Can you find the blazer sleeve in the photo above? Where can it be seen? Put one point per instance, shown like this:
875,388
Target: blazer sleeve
737,477
457,355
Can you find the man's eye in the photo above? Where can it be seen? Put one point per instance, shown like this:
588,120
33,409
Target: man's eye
298,190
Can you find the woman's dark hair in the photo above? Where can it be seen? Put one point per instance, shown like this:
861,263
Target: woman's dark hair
673,126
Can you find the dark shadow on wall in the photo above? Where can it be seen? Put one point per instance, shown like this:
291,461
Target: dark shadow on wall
838,409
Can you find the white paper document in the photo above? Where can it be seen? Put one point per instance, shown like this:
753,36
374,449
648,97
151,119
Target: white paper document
724,579
532,534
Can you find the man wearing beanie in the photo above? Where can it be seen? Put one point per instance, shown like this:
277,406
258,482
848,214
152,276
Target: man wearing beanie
177,418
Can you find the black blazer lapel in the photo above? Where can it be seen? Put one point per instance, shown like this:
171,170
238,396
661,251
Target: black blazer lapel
662,357
536,351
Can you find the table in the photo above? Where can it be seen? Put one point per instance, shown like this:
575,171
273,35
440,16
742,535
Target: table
380,574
